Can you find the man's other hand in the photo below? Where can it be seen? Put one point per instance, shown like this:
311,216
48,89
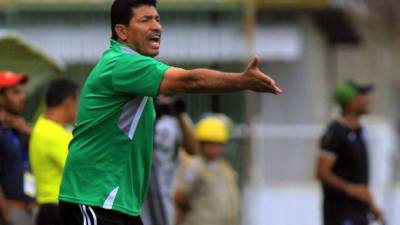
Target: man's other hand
378,215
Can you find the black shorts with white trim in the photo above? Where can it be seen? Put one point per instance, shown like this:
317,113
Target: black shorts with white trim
76,214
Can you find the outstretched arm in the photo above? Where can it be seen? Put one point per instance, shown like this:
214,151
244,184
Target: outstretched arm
177,80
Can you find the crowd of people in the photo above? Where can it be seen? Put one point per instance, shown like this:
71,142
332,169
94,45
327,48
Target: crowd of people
123,165
32,159
193,186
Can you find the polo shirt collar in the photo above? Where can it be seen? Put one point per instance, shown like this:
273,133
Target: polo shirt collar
118,45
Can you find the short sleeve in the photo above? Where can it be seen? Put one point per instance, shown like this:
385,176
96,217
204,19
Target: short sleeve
138,75
329,142
187,179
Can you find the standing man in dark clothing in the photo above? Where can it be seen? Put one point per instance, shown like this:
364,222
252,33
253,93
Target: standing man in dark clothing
342,165
16,181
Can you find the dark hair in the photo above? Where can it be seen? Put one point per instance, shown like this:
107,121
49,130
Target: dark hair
60,89
121,12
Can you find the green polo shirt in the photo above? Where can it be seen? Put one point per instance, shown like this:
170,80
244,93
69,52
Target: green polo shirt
110,155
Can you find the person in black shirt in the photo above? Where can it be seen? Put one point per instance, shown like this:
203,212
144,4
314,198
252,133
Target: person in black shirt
342,165
17,205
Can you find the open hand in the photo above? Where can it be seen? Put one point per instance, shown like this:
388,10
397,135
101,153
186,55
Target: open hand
259,81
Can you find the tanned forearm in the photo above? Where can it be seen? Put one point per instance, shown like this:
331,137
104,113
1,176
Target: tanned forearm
329,178
358,191
190,143
212,81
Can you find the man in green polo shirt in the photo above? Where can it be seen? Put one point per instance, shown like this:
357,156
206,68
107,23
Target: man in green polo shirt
108,165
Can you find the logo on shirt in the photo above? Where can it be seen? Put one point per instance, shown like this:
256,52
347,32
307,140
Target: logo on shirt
351,136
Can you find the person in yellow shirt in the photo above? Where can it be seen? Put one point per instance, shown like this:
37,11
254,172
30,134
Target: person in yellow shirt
49,146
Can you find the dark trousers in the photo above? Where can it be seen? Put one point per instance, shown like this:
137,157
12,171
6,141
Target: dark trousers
48,215
76,214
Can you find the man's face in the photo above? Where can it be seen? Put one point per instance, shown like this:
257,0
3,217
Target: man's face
14,99
361,104
144,31
212,150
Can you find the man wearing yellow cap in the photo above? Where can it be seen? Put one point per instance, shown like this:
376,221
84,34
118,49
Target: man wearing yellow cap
342,165
206,190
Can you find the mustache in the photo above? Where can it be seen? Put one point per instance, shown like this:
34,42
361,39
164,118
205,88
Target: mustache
154,33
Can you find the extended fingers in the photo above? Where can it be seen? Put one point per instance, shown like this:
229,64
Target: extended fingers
271,84
276,90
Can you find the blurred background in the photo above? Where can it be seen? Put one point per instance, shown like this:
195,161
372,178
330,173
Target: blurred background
308,46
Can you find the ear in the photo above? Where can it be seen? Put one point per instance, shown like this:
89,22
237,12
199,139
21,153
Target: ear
71,101
120,29
67,102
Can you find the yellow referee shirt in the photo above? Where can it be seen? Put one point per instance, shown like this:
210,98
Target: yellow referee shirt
48,151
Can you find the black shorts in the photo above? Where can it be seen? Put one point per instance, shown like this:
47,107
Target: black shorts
345,217
75,214
48,215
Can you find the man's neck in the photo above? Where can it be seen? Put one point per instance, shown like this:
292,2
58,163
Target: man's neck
57,115
352,120
131,47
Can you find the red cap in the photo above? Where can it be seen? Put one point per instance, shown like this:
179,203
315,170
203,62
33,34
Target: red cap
8,78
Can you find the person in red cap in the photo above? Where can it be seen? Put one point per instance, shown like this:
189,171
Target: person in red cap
16,182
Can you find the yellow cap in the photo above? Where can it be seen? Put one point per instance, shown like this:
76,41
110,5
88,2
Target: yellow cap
212,129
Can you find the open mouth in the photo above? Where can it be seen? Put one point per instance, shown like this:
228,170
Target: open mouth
155,40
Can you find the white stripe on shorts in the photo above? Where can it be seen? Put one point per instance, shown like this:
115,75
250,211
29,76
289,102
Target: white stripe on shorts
93,215
87,215
84,217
